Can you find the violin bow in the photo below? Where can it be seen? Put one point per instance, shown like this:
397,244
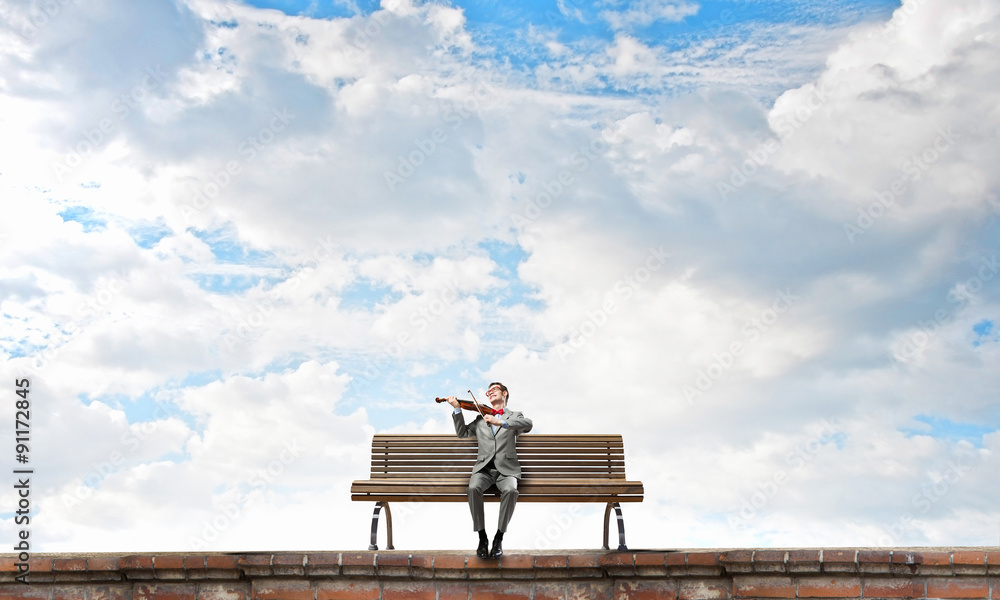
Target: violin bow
476,402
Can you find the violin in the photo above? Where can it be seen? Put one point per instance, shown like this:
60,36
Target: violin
473,406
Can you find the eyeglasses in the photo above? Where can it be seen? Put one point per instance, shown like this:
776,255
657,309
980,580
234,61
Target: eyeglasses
493,390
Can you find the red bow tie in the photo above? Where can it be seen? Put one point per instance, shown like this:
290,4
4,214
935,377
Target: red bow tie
497,412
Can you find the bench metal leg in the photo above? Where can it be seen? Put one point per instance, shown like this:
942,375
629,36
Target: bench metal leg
607,526
388,527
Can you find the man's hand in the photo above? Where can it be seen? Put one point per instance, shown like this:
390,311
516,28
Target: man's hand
452,400
492,420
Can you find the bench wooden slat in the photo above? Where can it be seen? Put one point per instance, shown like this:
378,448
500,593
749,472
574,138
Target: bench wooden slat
525,471
408,486
417,488
564,453
491,498
528,448
567,437
557,459
624,494
431,477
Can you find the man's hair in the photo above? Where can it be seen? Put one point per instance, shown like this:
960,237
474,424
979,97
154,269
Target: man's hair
503,388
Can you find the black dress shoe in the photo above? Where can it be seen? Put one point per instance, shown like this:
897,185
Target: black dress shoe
483,550
497,550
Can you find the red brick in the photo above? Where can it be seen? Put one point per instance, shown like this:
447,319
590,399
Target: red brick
549,590
223,561
769,561
165,591
772,556
618,559
393,560
68,593
901,557
475,562
804,561
294,560
551,562
452,590
122,591
359,559
102,563
875,556
958,588
422,561
449,561
500,589
584,561
646,590
194,563
168,562
829,587
936,559
366,589
24,592
762,587
839,556
968,557
255,560
69,564
323,559
649,559
676,559
707,589
136,562
275,589
704,559
896,587
7,563
603,590
40,565
797,556
408,590
737,556
517,561
223,591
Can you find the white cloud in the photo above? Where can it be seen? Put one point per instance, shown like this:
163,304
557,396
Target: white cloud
646,12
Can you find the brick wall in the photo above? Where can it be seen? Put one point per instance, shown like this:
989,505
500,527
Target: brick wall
670,575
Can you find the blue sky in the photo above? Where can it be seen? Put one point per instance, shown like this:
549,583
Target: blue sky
752,237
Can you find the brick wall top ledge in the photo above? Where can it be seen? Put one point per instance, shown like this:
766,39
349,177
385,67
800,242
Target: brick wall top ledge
694,563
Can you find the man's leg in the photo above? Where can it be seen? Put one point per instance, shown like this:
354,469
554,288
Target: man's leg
508,498
477,485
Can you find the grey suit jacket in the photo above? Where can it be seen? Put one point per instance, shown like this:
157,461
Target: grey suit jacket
501,447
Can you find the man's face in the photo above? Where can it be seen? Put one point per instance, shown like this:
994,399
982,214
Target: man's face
494,393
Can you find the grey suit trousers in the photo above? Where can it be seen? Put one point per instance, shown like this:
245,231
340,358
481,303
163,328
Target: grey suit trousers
478,484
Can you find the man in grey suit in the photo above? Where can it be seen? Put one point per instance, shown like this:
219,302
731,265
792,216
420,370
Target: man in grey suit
496,463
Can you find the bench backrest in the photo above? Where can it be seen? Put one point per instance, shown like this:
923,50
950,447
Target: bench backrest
540,455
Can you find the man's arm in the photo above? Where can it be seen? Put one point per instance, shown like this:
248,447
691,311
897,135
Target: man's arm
461,429
518,422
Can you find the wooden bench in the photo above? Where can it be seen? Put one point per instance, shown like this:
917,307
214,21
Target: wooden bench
555,468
